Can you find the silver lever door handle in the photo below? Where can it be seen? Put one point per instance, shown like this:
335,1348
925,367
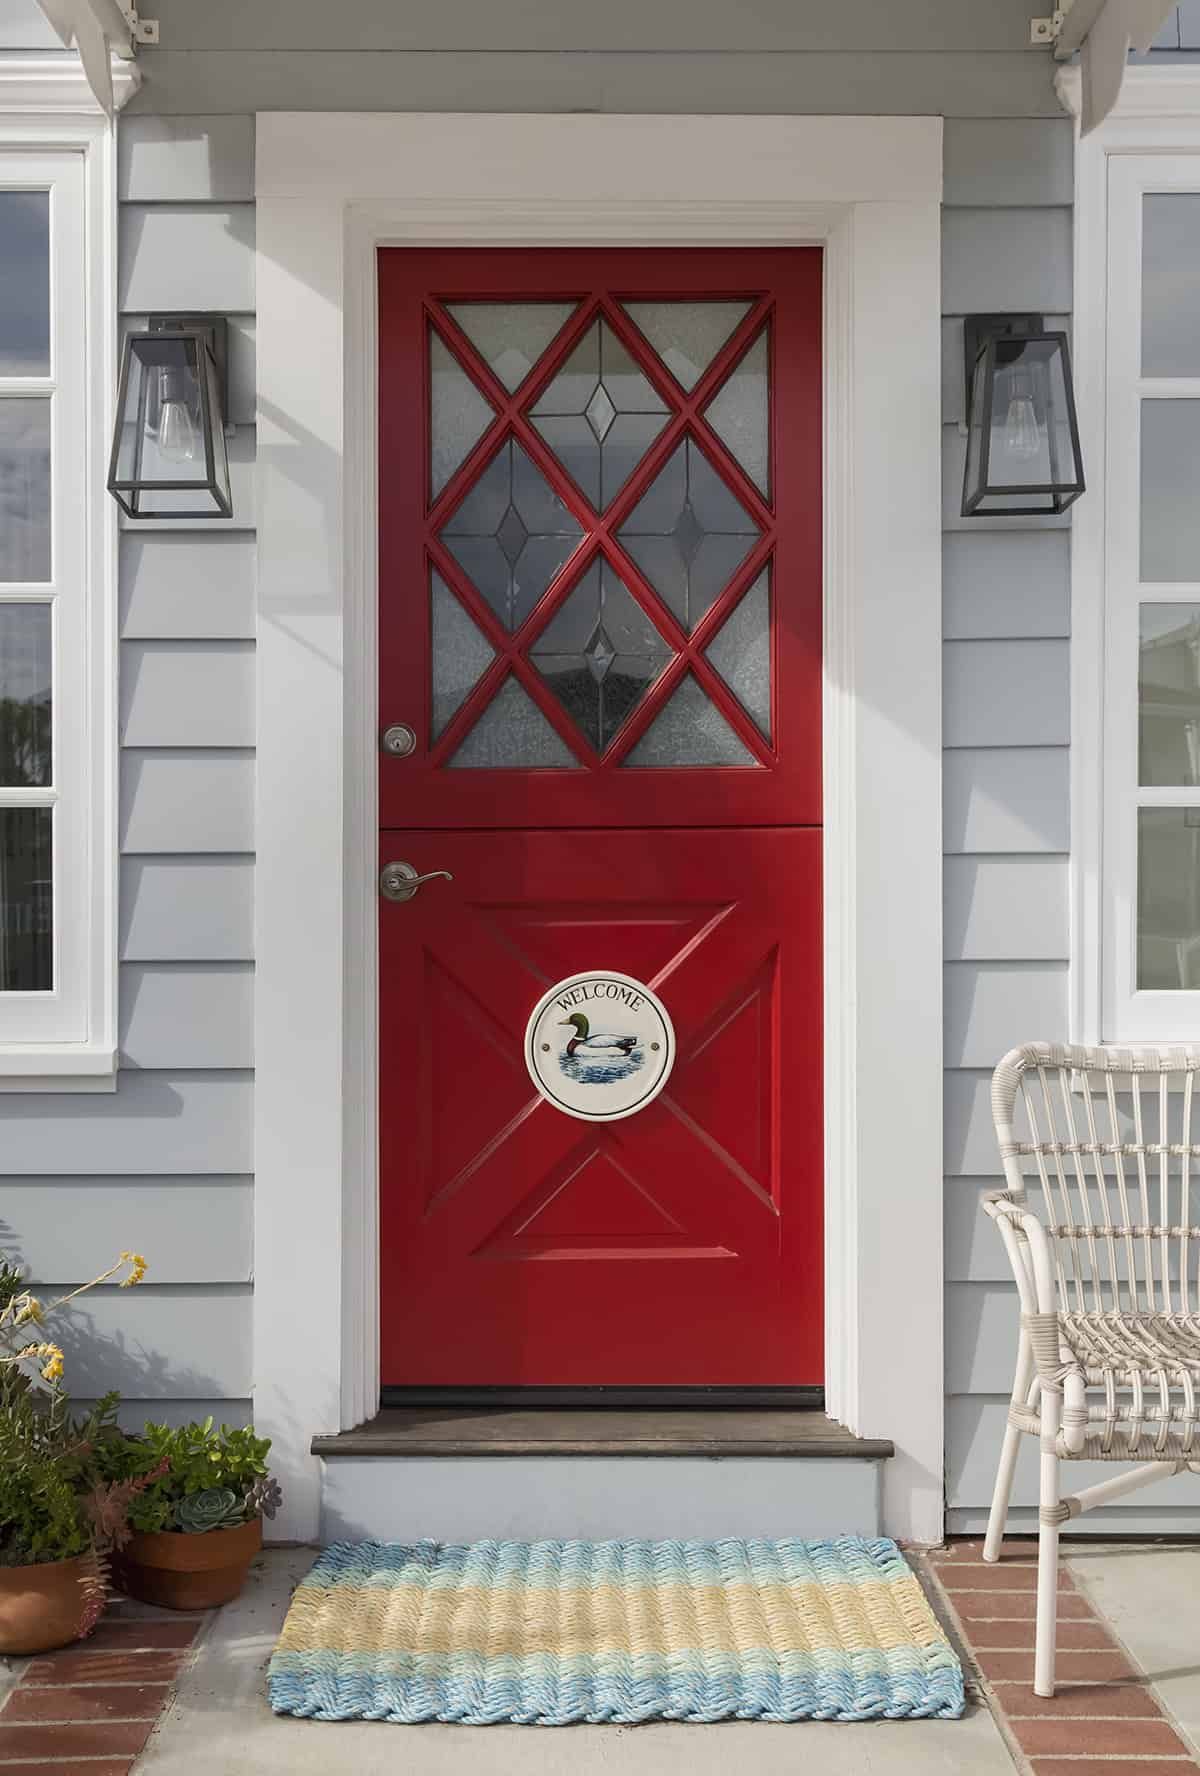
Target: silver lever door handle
400,881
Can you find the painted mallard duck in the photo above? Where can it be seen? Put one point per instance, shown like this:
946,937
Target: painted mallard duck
582,1042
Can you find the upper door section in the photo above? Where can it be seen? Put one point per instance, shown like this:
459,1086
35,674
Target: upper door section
600,582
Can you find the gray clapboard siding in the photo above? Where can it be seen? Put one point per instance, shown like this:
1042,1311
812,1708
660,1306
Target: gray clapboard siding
1189,24
974,1251
241,365
982,1322
991,1007
187,693
988,163
240,443
185,160
178,1344
179,801
181,585
179,1015
1006,693
1010,909
739,82
995,259
194,257
970,1146
187,909
190,1230
183,1122
998,799
1000,584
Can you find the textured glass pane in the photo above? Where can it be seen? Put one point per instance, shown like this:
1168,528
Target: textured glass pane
511,336
600,653
26,901
24,695
688,534
513,732
690,731
460,653
1168,918
687,335
458,413
741,653
1170,509
599,414
1029,442
24,283
24,489
1170,280
1169,694
739,413
511,534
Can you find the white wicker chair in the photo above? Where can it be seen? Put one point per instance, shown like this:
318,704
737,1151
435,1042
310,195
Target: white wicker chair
1106,1259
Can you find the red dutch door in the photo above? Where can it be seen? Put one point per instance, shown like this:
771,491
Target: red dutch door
600,618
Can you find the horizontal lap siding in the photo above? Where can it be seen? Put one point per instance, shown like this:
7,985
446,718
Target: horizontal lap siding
165,1164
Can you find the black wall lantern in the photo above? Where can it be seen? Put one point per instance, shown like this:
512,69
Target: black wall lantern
1022,434
168,452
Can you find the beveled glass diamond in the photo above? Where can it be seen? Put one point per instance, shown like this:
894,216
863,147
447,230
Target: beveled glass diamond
600,413
599,653
512,536
689,533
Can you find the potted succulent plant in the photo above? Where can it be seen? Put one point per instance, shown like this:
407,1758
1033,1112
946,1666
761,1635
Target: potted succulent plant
59,1515
196,1520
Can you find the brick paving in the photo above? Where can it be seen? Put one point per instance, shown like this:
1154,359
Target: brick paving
1105,1719
89,1709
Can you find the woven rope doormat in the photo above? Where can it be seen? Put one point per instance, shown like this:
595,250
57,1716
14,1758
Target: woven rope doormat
550,1633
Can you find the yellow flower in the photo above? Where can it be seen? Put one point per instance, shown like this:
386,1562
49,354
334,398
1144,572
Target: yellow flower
137,1272
54,1367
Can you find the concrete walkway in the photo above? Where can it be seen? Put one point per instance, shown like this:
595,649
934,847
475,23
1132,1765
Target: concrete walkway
219,1725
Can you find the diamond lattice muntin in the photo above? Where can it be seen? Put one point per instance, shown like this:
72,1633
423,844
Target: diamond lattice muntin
688,533
599,414
600,653
511,534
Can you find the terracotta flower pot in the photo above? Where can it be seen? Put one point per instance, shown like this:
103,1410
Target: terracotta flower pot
188,1572
49,1605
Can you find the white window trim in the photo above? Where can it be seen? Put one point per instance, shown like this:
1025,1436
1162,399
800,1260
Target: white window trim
53,130
1156,117
330,189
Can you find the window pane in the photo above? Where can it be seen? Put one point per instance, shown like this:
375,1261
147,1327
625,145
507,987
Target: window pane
511,534
688,534
24,488
739,414
26,901
1168,915
458,413
459,652
24,695
741,653
513,732
687,335
24,283
1169,694
1170,510
511,336
599,415
599,653
1170,279
690,731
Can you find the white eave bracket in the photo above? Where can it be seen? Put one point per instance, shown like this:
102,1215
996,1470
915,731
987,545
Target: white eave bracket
141,30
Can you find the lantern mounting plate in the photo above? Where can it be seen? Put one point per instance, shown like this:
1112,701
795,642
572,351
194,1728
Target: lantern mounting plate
978,329
215,330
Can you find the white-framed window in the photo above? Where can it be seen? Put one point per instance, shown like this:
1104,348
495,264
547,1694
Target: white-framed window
1136,570
58,785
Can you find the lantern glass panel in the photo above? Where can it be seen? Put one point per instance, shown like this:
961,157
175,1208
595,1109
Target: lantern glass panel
169,458
1022,443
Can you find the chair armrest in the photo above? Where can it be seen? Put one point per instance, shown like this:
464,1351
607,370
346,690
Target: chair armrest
1028,1246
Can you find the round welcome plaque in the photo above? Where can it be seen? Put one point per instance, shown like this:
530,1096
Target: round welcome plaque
599,1046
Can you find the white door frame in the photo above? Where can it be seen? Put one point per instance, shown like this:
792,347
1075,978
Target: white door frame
331,188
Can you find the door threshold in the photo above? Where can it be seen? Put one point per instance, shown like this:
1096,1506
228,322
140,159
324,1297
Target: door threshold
811,1399
710,1431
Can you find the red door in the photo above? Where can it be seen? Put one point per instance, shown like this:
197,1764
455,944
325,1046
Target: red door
600,600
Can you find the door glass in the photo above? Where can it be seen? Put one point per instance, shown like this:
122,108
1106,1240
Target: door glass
739,413
690,731
458,414
24,488
1170,511
1168,899
688,534
687,335
511,534
26,901
741,653
1169,694
24,283
599,654
599,415
459,651
1170,279
512,731
25,631
511,336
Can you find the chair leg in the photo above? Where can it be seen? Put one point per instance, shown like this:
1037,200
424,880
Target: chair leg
1008,1459
1048,1530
